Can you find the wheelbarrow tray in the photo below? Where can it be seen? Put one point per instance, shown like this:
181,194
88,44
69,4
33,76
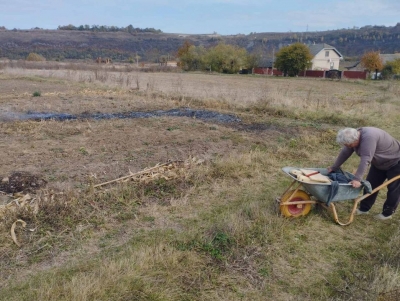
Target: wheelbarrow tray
320,191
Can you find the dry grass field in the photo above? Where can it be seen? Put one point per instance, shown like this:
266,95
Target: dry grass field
208,229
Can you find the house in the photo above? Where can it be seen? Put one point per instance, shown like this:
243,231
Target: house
172,64
266,67
326,57
389,57
352,65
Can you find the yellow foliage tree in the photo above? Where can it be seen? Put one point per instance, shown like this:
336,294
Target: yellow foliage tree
372,61
35,57
183,53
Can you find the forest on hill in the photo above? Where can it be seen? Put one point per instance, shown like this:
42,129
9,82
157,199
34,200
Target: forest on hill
152,45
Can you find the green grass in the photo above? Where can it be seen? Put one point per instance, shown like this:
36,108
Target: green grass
36,94
238,243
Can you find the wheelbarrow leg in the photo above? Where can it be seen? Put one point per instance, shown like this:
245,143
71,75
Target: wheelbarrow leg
335,215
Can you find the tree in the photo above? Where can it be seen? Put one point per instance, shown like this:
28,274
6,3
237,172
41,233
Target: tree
184,56
372,61
35,57
391,68
191,57
293,58
252,60
226,58
184,49
221,58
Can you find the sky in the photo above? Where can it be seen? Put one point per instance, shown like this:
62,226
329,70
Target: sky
225,17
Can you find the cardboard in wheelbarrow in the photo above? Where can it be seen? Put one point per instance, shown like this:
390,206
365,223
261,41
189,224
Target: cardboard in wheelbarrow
308,175
315,175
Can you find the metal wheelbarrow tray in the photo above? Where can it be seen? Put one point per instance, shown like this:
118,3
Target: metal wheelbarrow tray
298,198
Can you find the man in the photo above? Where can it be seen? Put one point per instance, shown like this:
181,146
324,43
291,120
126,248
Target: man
377,148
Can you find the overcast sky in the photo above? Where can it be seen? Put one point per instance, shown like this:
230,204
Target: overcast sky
204,16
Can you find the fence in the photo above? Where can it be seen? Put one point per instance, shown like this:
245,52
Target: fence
315,73
355,74
267,71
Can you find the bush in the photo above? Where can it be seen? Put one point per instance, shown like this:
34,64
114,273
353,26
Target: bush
293,59
225,58
36,94
391,69
35,57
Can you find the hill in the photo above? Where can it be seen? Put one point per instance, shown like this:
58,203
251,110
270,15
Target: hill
150,46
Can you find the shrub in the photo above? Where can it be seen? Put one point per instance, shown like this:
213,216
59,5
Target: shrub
391,69
35,57
36,94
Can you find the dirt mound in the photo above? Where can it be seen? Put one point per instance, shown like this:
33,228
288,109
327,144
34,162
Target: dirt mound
21,181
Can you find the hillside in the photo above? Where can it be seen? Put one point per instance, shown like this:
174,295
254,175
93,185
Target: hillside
150,46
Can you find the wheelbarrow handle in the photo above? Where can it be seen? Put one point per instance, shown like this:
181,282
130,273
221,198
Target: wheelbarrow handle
378,188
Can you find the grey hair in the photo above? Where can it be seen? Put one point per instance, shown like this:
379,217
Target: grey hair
347,136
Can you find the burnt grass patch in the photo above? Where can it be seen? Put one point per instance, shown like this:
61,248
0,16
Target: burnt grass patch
205,115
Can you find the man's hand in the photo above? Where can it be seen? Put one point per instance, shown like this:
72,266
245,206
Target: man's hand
355,183
329,170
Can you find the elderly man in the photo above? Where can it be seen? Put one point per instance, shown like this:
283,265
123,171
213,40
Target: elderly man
377,148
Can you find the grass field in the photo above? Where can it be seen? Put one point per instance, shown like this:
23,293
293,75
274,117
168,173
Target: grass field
212,230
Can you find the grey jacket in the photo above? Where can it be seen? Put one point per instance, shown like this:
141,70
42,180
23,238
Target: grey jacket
376,147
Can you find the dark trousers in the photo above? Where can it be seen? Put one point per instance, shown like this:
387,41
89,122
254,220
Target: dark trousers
376,177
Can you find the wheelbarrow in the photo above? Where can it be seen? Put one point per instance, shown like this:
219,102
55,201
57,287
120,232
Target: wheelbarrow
298,198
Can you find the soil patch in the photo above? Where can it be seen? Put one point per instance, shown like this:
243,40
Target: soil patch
21,181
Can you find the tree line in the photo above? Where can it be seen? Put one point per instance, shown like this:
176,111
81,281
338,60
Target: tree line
222,58
225,58
105,28
291,59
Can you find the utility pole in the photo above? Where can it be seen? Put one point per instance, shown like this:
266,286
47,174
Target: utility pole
273,58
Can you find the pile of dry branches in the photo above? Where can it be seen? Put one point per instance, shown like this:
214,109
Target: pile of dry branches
167,171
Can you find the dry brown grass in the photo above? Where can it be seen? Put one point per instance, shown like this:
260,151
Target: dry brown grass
214,234
298,98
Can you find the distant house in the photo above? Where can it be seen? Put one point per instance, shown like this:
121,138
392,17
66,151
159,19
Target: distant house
353,65
389,57
265,67
172,63
266,62
357,66
326,57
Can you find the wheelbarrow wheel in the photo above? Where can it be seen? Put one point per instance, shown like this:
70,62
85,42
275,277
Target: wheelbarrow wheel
295,210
